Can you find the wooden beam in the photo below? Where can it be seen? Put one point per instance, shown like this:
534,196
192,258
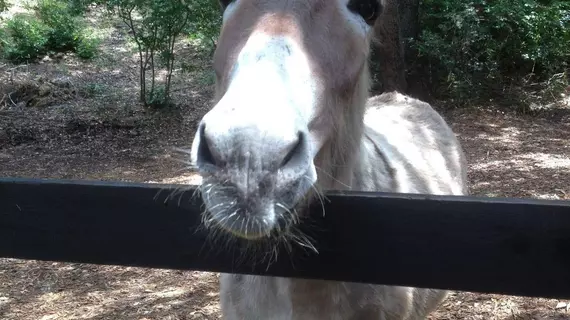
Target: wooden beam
508,246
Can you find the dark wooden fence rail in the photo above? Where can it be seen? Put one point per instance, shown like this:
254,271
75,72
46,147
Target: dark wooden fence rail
510,246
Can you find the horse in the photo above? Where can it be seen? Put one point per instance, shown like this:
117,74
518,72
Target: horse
292,118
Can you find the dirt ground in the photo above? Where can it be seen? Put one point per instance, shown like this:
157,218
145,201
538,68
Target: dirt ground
66,118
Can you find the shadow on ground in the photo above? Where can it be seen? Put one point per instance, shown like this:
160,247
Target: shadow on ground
514,155
46,290
471,306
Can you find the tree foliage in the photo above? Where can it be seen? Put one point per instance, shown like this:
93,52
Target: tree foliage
63,27
473,48
4,6
50,27
155,25
464,49
27,38
206,20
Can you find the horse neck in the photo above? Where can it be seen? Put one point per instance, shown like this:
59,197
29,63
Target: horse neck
338,156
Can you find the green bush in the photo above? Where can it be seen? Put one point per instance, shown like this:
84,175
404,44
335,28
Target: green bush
87,47
80,7
155,26
53,28
26,38
476,48
64,27
3,39
4,6
205,21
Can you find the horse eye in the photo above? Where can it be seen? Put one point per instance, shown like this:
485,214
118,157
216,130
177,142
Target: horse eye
225,3
368,9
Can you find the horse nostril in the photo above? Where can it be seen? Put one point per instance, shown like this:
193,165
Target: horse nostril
205,155
247,148
295,154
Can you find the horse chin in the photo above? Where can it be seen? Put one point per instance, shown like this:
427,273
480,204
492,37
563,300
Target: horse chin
255,218
240,223
267,211
257,231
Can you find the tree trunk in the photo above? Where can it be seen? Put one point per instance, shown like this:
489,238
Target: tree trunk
410,31
387,53
390,50
409,22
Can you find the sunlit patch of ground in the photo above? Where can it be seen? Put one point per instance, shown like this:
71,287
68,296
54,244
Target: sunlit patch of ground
515,155
44,290
512,156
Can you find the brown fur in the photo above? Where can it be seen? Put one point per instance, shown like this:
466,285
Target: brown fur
388,143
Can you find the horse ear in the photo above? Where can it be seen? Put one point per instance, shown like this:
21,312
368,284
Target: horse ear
380,6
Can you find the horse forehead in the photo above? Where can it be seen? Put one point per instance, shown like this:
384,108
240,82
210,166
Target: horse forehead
302,21
283,17
299,6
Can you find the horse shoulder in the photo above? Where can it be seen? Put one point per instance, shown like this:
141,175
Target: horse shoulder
409,141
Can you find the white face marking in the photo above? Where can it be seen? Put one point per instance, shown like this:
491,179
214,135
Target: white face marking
272,77
270,98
